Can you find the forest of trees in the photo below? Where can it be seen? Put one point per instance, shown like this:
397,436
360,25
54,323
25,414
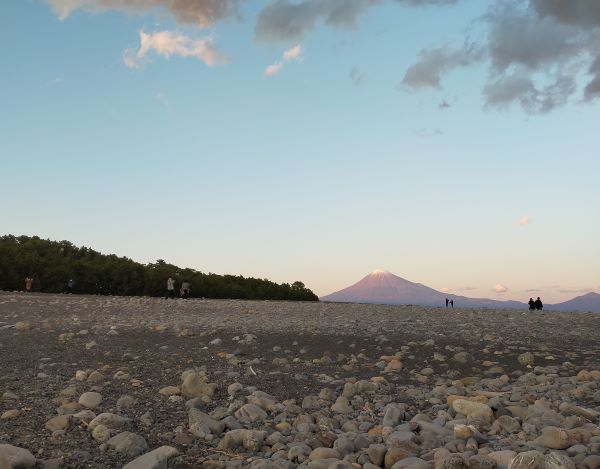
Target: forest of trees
52,264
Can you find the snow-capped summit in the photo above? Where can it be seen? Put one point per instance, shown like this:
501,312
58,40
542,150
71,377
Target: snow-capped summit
383,287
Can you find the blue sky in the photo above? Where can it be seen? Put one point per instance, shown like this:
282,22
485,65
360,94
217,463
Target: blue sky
429,140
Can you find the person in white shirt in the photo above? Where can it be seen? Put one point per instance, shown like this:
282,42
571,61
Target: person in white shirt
170,288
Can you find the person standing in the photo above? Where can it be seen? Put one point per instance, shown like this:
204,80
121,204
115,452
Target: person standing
452,303
185,289
70,286
447,301
170,288
531,304
28,283
538,304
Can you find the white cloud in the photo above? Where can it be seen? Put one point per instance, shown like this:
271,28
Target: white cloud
273,69
446,290
168,43
289,55
524,221
293,54
499,288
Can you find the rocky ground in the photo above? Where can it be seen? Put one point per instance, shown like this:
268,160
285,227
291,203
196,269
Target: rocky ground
103,382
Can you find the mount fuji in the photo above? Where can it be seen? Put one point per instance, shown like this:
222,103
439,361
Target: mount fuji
382,287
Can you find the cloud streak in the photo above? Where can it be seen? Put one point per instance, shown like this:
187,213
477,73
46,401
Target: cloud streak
199,13
290,55
172,43
433,63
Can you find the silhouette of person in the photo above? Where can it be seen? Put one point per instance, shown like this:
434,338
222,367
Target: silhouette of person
452,303
538,304
447,301
28,283
531,304
170,289
70,286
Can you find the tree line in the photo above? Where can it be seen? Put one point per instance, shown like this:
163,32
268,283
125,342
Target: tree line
52,264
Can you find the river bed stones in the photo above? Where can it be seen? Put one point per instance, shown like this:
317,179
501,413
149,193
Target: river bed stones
296,385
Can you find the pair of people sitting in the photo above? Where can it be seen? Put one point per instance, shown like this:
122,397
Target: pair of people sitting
535,305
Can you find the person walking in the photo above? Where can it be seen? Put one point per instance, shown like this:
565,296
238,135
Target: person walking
531,304
538,304
170,289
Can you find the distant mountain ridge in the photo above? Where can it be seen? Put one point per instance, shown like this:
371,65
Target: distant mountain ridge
382,287
588,302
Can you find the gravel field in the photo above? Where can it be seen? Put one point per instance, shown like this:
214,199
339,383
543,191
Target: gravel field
103,382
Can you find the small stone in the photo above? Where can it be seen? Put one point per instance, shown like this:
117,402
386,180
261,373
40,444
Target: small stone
170,391
250,413
109,420
324,453
473,409
95,377
121,375
101,433
556,460
554,438
10,414
15,457
155,459
90,400
527,460
60,422
128,444
526,359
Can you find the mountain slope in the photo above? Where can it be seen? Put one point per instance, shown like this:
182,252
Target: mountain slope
381,287
588,302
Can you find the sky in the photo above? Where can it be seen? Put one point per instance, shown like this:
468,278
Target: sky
453,143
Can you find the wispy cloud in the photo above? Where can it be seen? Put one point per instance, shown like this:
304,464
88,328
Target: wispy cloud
499,288
524,221
199,13
285,20
466,288
289,55
169,43
433,63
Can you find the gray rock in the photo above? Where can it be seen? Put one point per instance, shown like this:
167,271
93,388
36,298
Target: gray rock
201,424
128,444
90,400
250,413
155,459
17,458
109,420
